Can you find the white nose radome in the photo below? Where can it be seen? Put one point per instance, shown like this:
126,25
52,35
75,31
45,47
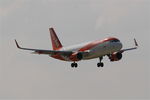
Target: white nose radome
120,45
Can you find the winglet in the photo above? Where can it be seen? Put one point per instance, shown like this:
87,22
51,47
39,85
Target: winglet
136,44
17,44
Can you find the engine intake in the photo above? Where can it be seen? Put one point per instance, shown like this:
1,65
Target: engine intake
79,56
115,56
76,56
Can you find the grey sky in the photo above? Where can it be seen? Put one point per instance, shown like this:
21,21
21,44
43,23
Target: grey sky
27,76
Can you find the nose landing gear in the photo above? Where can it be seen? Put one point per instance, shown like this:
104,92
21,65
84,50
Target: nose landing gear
100,64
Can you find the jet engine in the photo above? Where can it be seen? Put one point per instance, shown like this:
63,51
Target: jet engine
76,56
115,56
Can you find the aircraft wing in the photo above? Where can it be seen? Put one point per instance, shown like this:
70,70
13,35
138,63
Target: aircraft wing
47,52
136,45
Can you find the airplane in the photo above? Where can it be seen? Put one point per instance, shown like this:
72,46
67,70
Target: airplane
110,46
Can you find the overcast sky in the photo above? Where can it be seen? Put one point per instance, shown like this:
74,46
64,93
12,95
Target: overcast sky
27,76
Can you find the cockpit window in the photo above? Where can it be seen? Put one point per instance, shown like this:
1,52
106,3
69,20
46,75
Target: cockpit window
115,40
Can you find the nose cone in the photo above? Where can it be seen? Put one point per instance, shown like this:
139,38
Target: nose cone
120,45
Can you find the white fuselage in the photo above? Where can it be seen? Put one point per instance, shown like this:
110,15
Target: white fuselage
98,50
103,49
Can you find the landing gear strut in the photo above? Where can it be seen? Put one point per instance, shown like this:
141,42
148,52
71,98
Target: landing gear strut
100,64
74,65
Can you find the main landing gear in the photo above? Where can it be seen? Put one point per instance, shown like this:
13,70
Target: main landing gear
100,64
74,65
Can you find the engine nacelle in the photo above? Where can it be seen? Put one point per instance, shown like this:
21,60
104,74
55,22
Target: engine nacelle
76,56
115,56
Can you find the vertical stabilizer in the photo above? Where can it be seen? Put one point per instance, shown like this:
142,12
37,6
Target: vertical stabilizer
55,40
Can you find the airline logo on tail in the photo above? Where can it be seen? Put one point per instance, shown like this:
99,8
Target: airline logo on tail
55,40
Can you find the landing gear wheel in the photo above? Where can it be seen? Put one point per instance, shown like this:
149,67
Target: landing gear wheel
74,65
100,64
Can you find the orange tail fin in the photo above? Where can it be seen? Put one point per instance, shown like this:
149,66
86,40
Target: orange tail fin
55,40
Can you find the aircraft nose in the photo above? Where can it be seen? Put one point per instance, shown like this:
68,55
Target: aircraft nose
120,45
